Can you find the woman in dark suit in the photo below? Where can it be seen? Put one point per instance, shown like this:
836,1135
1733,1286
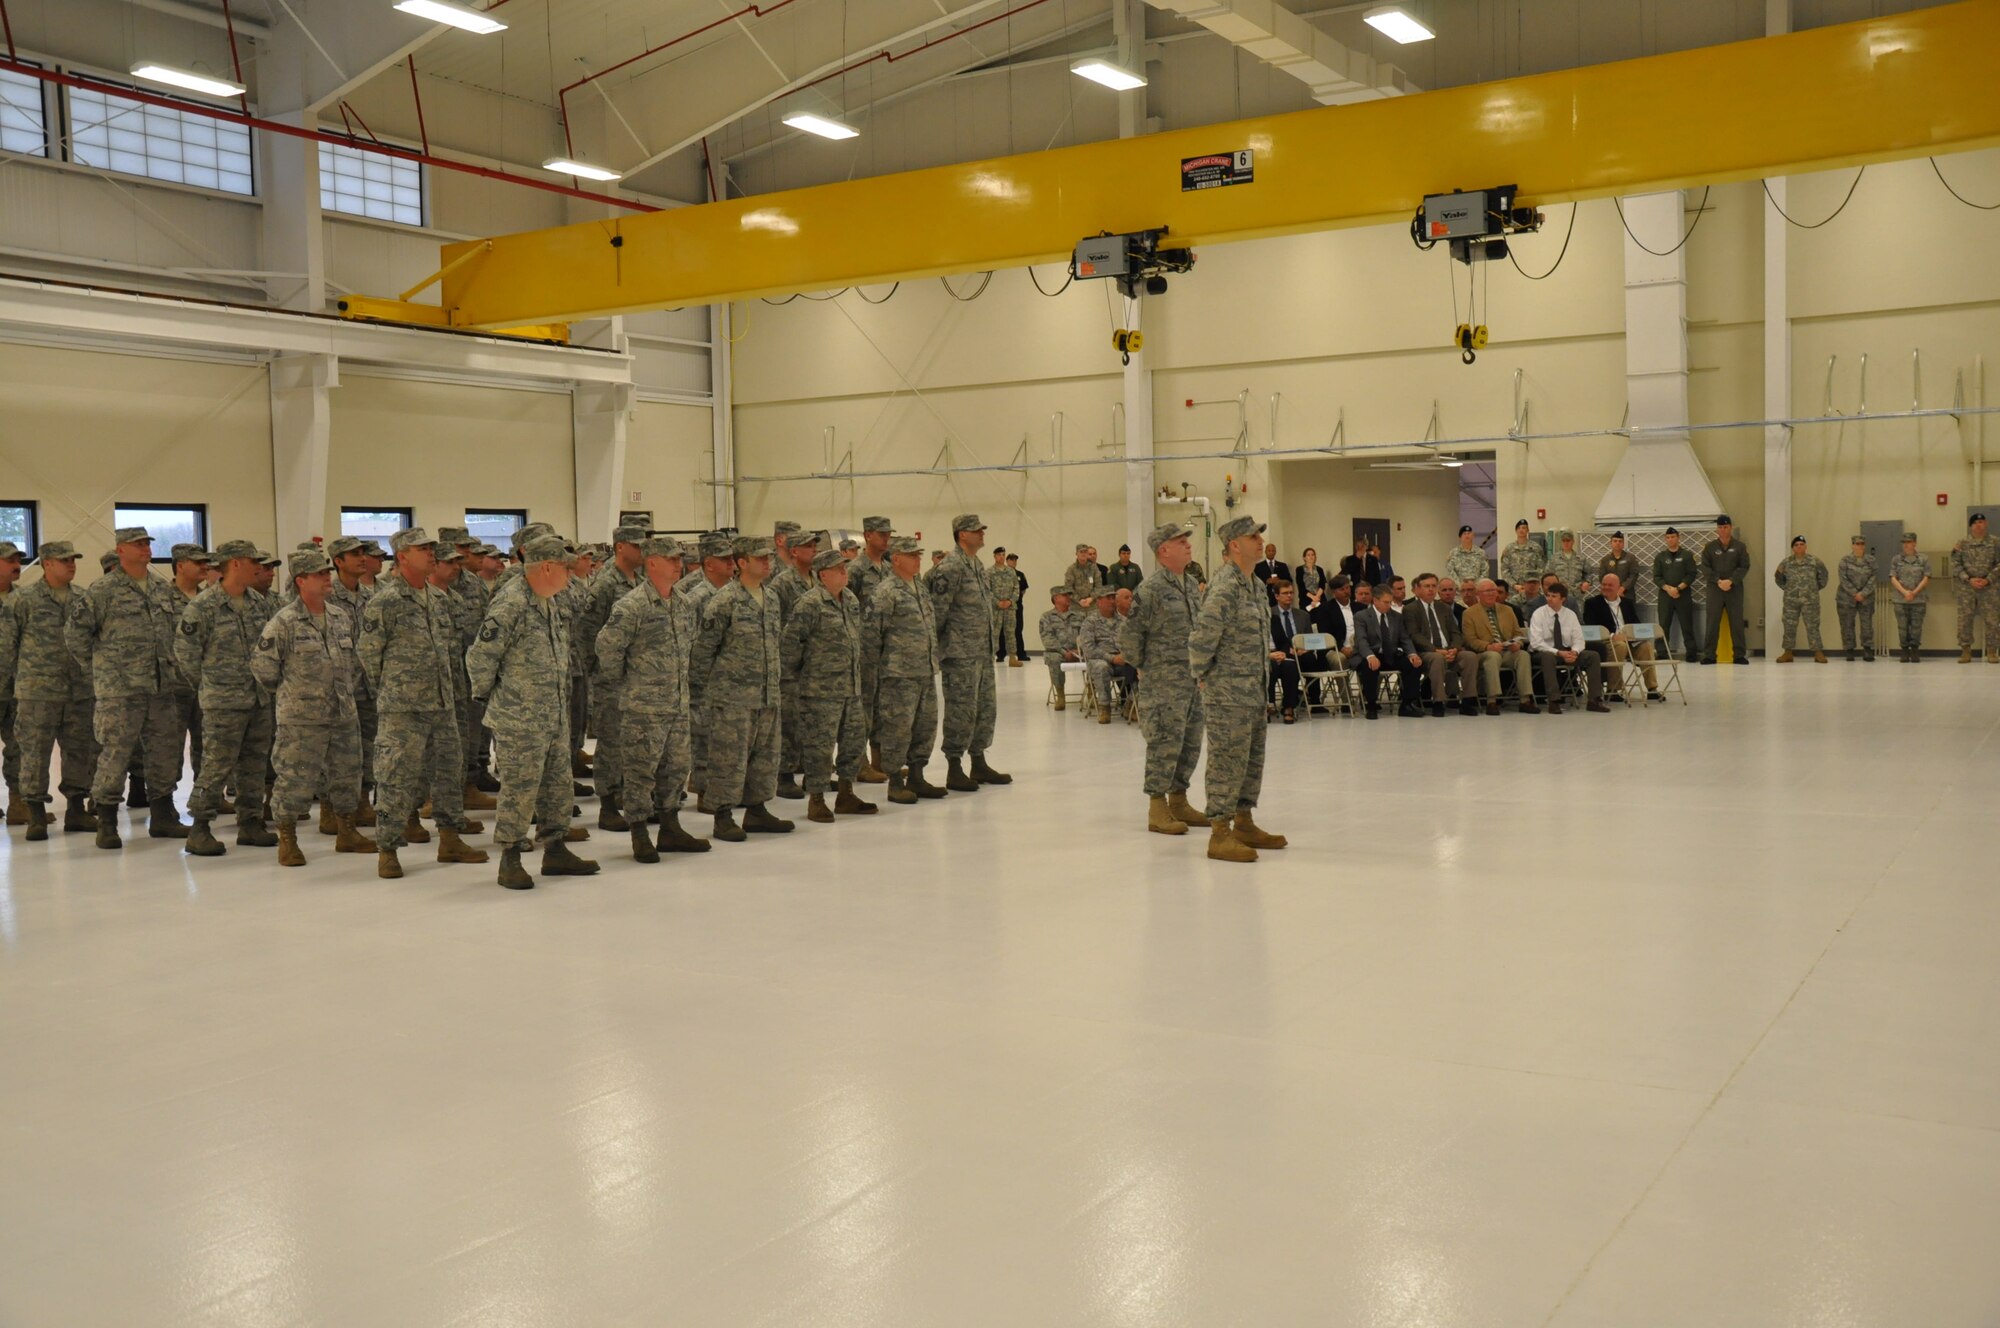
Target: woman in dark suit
1309,578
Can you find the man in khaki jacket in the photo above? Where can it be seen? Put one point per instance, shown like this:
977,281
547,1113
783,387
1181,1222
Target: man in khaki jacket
1494,635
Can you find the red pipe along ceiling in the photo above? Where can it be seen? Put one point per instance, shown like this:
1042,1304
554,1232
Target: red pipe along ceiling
757,11
316,135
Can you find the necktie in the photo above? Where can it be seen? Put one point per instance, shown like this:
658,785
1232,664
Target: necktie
1437,632
1288,627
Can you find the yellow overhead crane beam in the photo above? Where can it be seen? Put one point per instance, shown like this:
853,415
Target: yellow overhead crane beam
1907,85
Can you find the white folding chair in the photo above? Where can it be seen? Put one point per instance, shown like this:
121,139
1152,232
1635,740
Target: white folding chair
1331,680
1076,670
1665,667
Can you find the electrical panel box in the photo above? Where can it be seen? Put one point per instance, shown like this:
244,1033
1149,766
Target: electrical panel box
1885,541
1103,256
1991,511
1466,216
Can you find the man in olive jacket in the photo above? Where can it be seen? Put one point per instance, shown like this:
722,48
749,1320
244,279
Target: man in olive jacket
1674,572
1725,560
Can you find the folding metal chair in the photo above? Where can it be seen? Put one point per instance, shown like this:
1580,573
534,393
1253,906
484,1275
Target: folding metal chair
1665,667
1084,698
1331,681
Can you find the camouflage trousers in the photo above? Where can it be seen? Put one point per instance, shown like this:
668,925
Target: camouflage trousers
1910,623
1981,604
188,709
1170,717
607,721
1856,616
581,723
533,770
827,723
1806,611
235,745
1054,659
1234,777
742,757
416,751
788,719
1004,631
323,759
906,722
968,706
38,726
697,742
10,750
471,737
1102,673
654,754
123,724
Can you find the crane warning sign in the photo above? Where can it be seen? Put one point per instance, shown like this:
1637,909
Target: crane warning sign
1218,170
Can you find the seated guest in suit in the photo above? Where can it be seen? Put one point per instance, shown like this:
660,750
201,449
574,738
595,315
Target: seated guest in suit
1613,610
1435,636
1382,644
1399,593
1309,579
1493,635
1287,621
1556,638
1269,572
1448,596
1333,617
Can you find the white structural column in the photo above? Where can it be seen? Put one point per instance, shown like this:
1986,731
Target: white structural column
294,232
1659,479
723,413
1128,18
301,436
600,415
1777,533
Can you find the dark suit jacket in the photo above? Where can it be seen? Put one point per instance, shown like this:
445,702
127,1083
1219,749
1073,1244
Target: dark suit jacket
1358,570
1302,623
1416,620
1328,620
1386,639
1597,613
1266,570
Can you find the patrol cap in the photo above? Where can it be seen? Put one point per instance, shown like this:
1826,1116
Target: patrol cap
1162,533
1909,537
413,538
1798,540
8,549
269,559
56,551
802,537
1238,528
850,545
1857,540
662,546
373,549
752,546
715,544
307,561
879,525
485,550
966,521
237,548
519,539
1083,548
1465,530
1058,592
107,560
906,544
630,535
342,546
786,529
452,535
464,539
449,553
544,549
131,535
1565,536
190,553
826,558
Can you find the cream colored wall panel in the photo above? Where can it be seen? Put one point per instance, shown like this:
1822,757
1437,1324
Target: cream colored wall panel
668,461
125,220
440,448
1319,500
1902,243
1725,255
378,260
86,430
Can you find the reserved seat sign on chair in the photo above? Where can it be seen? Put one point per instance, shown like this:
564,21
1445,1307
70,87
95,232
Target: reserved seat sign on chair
1665,667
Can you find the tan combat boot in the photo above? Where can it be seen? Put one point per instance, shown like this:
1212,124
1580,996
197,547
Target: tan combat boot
1224,846
1103,715
871,769
845,803
1061,704
415,832
349,840
1785,658
817,810
1965,655
478,799
387,865
289,854
364,815
326,825
1247,831
453,849
1819,657
1177,805
1161,821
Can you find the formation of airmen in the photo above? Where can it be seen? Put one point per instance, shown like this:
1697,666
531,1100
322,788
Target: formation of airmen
372,682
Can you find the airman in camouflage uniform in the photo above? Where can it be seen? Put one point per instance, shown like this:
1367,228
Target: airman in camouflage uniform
49,692
737,657
1059,628
521,666
471,585
1523,560
642,651
1227,650
305,658
1909,581
1080,578
10,750
218,635
1467,561
796,548
899,652
962,600
409,644
122,630
1097,643
466,616
1975,566
716,569
1568,565
1802,577
1006,594
864,574
1155,639
613,582
822,649
191,568
351,591
1856,604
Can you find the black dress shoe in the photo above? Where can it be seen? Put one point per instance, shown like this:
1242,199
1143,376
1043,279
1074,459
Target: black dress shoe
1708,661
1288,717
1437,710
1374,712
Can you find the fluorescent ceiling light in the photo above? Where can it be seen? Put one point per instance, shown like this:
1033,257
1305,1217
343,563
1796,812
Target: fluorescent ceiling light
819,124
1112,76
186,78
1451,462
458,16
1393,22
581,169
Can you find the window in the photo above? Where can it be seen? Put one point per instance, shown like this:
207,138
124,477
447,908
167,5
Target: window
19,527
494,526
368,184
24,119
158,142
183,523
377,523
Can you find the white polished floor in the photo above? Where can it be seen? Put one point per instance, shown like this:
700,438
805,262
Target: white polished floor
1684,1017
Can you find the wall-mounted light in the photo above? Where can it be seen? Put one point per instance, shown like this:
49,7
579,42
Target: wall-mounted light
458,16
186,78
1395,23
583,170
819,124
1115,77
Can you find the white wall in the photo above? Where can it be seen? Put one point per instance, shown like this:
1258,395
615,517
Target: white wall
668,461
